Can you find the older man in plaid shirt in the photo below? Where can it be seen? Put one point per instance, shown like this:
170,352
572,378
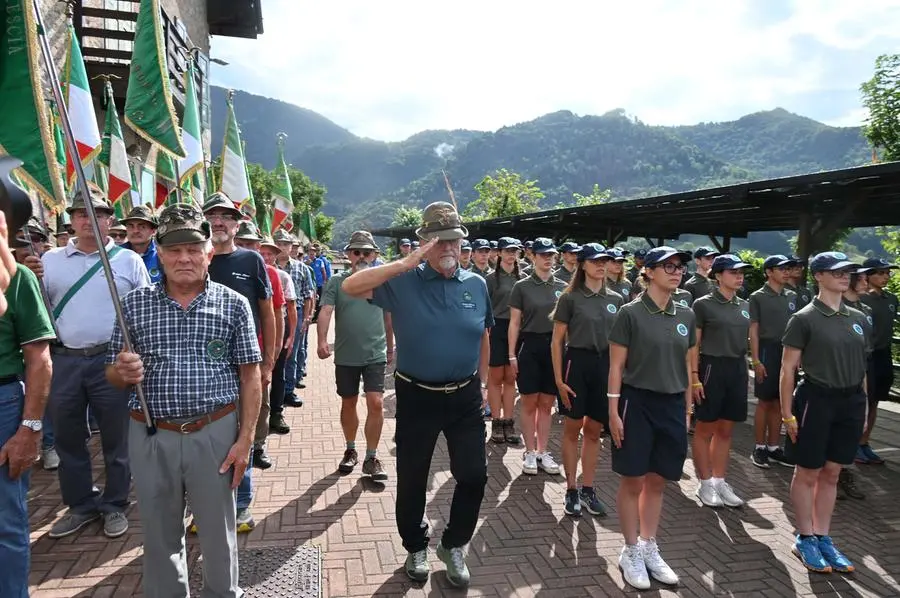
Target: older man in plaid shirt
197,356
305,285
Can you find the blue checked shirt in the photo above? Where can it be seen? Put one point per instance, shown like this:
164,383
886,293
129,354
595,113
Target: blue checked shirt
302,277
191,356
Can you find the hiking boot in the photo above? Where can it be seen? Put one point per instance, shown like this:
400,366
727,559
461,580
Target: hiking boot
373,468
417,568
114,524
261,459
277,425
350,460
455,559
509,429
71,523
498,431
847,486
293,400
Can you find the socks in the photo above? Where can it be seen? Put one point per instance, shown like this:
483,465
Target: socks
351,444
773,447
705,483
716,481
760,446
370,453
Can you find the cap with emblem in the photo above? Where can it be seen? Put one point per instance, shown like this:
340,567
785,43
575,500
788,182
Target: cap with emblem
466,246
361,240
877,263
440,220
404,242
660,254
777,261
220,201
98,200
247,231
624,251
543,245
480,244
282,236
415,244
798,261
728,261
141,213
569,247
118,227
616,254
592,251
829,261
705,252
640,254
180,224
494,245
505,242
529,244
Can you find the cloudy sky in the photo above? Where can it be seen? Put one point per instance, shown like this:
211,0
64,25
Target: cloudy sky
389,69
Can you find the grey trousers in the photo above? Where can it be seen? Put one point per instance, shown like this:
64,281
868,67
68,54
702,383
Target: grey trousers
166,466
79,382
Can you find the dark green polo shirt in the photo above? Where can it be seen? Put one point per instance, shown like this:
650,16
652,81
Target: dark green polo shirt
563,274
725,325
699,286
499,285
833,343
772,311
359,336
476,270
682,298
536,299
622,287
589,317
804,295
658,341
884,310
867,311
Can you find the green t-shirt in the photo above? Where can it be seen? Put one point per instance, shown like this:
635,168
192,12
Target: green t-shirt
359,337
26,320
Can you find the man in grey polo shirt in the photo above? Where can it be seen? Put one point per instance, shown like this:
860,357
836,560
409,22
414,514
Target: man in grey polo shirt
84,312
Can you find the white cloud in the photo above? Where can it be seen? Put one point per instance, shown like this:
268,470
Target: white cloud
389,69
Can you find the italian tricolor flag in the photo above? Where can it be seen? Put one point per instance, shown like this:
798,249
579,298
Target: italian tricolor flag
80,106
234,182
190,130
113,153
282,204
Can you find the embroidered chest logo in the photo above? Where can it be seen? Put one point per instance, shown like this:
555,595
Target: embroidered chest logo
682,302
745,313
791,306
858,329
682,329
467,302
611,308
154,272
215,349
869,320
558,293
892,307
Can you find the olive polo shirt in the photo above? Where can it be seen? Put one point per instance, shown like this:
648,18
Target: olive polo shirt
867,311
682,298
804,295
658,341
499,286
438,321
359,336
589,317
622,287
699,286
482,273
772,311
884,310
724,325
536,298
833,343
563,273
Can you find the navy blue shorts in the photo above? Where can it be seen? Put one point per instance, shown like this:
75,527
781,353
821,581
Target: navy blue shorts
499,354
881,377
725,389
587,372
655,434
770,356
535,365
829,425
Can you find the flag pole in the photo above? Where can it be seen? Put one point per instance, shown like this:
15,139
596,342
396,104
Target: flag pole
55,88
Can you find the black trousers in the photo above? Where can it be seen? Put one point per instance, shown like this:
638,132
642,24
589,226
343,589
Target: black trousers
318,303
421,416
276,394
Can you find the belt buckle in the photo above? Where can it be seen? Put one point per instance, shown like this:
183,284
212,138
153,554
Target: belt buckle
182,428
450,388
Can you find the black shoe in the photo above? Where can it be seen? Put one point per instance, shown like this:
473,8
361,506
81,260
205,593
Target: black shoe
373,468
300,385
350,460
277,425
847,486
261,459
293,401
760,458
779,457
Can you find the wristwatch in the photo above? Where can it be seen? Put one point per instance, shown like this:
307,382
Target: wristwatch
35,425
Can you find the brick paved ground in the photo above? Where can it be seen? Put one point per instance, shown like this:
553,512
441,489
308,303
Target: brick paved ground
525,546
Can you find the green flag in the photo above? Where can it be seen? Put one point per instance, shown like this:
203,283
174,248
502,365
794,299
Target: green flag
148,101
26,131
282,200
307,225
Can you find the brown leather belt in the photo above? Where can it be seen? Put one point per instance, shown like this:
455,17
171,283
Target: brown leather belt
188,427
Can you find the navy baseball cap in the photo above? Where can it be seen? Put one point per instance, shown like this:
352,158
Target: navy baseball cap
529,244
543,245
829,261
640,254
877,263
660,254
592,251
465,246
778,261
494,245
728,261
569,247
797,261
624,251
616,254
705,252
480,244
404,242
415,244
505,242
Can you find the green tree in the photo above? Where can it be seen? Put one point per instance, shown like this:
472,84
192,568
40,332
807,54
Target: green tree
324,227
597,196
305,192
504,193
407,216
881,96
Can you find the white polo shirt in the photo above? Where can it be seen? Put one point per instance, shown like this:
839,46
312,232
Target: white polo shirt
88,318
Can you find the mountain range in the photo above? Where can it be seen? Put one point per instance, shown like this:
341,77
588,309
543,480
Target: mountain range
566,153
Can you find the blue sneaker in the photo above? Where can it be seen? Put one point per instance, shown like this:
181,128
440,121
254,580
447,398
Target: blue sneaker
835,557
573,506
872,456
807,550
590,502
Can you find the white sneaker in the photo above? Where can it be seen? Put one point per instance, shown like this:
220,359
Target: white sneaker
50,459
634,571
529,463
708,496
547,463
656,566
726,493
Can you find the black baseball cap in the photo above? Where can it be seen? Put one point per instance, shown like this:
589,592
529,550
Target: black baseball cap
569,247
660,254
728,261
544,245
829,261
592,251
705,252
404,242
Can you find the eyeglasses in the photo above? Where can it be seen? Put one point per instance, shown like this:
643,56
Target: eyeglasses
839,273
225,216
670,268
362,252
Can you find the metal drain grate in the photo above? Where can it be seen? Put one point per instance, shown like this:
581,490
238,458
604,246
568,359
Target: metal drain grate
275,572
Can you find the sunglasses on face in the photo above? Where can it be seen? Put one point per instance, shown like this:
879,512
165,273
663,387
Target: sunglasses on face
362,252
118,235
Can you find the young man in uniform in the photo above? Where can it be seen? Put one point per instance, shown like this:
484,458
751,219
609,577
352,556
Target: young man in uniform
465,255
405,248
884,311
770,309
481,250
363,346
568,261
637,266
796,282
699,285
141,226
493,255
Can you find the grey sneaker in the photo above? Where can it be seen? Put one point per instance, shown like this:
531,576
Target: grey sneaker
50,459
71,523
417,568
114,524
245,521
455,559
